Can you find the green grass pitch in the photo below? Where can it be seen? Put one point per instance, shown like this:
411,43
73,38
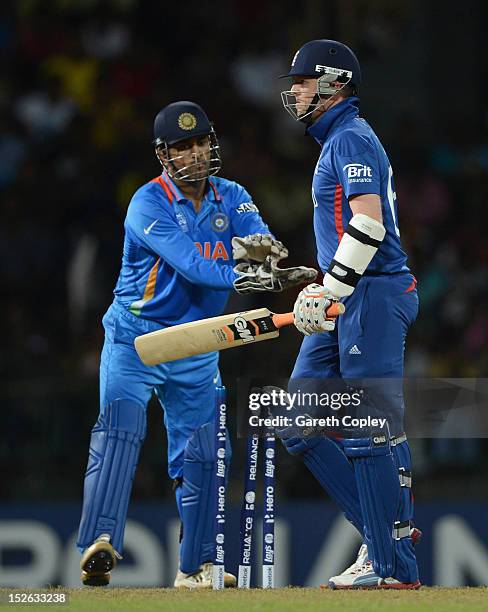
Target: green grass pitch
289,599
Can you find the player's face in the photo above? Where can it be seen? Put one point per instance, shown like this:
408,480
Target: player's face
191,160
304,90
193,152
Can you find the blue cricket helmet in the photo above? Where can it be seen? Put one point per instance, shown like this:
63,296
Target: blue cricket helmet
179,121
313,57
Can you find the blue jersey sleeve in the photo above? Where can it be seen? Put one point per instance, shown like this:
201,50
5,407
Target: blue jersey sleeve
245,217
356,163
159,232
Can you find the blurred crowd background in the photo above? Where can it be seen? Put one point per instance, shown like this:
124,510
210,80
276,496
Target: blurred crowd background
80,84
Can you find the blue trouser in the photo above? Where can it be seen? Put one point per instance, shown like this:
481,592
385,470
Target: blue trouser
368,342
378,315
185,389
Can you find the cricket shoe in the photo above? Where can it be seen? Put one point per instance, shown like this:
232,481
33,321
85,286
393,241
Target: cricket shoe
191,582
366,578
230,580
362,556
98,561
361,559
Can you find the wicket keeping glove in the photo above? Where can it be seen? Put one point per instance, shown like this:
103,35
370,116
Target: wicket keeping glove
268,277
310,310
256,247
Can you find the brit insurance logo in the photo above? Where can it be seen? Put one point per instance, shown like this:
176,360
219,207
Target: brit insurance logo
358,173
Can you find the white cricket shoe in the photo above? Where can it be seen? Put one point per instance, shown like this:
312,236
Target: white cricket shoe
355,575
192,581
230,580
361,559
366,578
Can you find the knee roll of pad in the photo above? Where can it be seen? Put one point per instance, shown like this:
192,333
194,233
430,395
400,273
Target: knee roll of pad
123,416
296,446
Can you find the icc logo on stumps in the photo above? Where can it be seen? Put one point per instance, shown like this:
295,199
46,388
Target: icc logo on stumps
250,497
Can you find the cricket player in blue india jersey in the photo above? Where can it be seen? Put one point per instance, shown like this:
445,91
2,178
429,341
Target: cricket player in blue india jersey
364,266
184,231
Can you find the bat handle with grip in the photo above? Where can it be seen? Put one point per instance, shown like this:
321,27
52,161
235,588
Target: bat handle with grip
335,310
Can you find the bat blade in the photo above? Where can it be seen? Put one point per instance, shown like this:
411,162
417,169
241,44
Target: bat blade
215,334
206,335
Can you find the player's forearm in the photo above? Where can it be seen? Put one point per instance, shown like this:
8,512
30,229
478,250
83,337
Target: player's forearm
208,274
357,248
176,248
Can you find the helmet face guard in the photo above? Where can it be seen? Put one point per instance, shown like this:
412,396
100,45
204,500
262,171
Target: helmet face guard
199,169
323,92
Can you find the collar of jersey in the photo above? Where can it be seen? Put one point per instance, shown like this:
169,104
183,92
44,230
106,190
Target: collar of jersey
211,192
345,110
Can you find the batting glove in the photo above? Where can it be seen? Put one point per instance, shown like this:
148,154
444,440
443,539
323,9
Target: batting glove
310,310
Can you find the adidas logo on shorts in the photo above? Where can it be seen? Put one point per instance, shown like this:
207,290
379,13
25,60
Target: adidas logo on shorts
354,350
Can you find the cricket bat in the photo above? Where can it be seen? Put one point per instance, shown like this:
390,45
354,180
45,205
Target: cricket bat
215,334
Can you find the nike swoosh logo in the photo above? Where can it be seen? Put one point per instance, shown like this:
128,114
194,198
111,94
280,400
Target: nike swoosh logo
149,227
216,380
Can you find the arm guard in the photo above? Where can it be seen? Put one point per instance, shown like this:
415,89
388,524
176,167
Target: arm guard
357,248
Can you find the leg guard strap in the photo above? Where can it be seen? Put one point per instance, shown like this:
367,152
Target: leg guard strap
401,529
405,477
